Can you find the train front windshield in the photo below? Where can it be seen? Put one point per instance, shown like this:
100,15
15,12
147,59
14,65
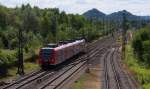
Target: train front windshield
46,54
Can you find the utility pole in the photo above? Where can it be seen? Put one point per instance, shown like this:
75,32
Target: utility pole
124,30
103,25
88,55
20,54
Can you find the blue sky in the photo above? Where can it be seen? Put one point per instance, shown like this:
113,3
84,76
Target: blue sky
137,7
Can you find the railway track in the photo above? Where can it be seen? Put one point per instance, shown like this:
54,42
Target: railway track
106,85
115,77
60,81
39,77
116,74
127,77
29,79
55,81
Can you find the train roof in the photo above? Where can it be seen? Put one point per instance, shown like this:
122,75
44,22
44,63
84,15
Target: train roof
69,44
47,48
51,45
64,45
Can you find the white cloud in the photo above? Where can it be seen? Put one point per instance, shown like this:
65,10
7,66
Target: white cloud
139,7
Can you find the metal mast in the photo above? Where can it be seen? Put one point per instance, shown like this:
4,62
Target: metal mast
20,54
124,30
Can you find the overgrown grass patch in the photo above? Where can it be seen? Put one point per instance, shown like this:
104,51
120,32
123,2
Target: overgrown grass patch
141,71
28,67
79,84
7,51
8,60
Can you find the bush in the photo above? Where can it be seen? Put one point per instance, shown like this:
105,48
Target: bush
146,51
1,43
6,61
137,45
141,45
3,66
141,72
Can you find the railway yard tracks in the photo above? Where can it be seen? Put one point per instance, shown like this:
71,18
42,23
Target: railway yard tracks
114,76
61,77
57,78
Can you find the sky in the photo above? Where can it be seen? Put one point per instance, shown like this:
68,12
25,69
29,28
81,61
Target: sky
137,7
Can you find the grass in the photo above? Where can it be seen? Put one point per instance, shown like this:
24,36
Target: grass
6,51
28,67
142,73
79,84
10,58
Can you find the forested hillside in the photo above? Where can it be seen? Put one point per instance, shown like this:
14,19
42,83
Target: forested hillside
94,14
134,20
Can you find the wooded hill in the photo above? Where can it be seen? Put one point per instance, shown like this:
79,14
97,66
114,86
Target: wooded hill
134,20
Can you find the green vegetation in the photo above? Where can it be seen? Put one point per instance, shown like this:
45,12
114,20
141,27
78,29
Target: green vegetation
11,73
141,72
39,27
138,56
141,45
79,84
88,80
82,82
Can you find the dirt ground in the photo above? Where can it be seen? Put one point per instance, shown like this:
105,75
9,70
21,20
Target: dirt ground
90,80
93,81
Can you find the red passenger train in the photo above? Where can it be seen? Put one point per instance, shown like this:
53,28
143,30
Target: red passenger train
53,54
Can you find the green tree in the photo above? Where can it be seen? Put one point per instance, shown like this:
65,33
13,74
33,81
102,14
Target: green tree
29,19
141,44
3,17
